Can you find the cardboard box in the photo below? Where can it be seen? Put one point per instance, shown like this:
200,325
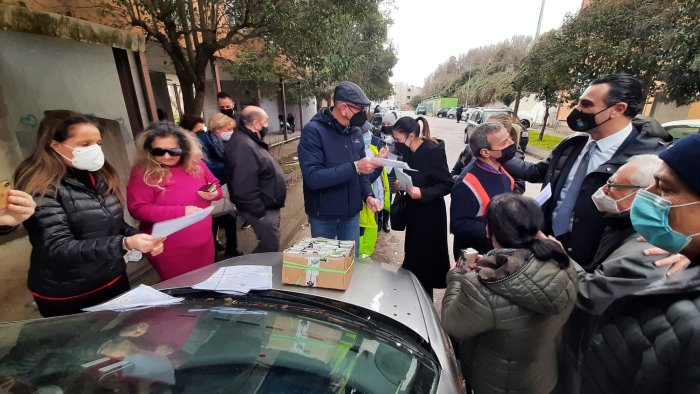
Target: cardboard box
319,262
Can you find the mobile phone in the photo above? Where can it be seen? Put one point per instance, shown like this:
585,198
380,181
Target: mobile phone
4,193
209,187
468,256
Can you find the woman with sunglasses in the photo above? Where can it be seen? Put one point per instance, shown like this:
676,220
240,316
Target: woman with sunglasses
78,234
169,181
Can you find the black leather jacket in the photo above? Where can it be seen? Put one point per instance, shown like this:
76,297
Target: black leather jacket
76,235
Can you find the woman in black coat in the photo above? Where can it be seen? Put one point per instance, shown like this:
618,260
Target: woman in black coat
425,249
78,234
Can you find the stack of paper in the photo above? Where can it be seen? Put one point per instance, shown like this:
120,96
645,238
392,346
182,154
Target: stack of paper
140,297
238,279
322,246
404,179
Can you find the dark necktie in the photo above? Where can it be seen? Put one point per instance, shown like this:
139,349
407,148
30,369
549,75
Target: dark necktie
562,221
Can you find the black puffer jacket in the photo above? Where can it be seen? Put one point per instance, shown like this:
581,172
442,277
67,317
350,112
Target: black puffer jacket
648,342
76,234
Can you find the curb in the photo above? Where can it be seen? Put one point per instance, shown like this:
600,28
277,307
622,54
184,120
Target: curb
538,153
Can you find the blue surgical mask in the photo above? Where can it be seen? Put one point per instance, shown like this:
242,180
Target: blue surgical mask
367,138
649,214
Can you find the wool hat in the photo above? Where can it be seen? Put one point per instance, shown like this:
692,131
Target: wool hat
680,157
350,93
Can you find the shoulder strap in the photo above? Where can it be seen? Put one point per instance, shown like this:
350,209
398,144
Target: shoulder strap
477,188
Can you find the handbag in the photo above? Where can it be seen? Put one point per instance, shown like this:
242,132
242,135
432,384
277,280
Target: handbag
398,211
223,206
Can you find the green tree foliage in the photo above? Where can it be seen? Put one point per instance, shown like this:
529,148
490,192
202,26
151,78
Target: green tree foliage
308,35
415,100
657,41
482,75
544,71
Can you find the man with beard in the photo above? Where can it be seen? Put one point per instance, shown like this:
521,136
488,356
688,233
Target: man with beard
606,137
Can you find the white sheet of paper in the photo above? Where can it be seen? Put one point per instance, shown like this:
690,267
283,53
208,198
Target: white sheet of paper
141,296
390,168
544,195
393,163
240,278
167,227
404,179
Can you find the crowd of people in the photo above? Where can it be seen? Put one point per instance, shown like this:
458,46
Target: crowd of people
571,293
592,288
71,201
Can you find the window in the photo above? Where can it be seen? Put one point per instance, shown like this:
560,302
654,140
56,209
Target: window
408,97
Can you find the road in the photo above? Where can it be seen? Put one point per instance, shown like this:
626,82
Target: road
390,245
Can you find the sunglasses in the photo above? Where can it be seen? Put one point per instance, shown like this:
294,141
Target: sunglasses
162,151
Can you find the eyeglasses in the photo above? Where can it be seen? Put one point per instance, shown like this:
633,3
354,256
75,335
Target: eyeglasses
356,109
611,184
162,151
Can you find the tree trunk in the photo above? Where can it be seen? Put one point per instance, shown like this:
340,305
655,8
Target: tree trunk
518,95
544,120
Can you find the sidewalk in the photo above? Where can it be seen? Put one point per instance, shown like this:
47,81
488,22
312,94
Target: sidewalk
561,132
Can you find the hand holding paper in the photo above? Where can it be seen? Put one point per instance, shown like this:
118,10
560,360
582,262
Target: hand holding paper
165,228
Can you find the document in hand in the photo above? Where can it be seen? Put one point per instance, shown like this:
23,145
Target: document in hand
392,163
238,279
139,297
167,227
404,179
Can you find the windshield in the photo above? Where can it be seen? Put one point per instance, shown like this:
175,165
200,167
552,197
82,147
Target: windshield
211,346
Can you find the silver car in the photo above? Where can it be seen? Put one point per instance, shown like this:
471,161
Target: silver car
381,335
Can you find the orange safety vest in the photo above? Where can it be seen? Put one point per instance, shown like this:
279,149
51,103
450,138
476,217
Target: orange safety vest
477,188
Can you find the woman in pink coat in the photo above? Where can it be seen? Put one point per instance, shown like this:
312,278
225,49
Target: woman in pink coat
169,181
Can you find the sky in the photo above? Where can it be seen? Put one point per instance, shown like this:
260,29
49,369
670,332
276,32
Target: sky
427,33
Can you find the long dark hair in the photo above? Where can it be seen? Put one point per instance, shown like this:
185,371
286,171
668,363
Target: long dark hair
45,169
515,220
407,125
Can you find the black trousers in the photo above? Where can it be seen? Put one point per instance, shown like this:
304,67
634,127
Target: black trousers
228,222
73,305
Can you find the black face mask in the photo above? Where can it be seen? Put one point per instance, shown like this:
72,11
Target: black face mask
263,132
228,112
358,119
507,153
387,129
581,121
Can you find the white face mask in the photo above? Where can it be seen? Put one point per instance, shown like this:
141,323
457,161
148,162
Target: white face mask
89,158
389,140
226,135
605,203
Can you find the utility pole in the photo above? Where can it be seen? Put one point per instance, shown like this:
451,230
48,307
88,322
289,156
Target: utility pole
539,23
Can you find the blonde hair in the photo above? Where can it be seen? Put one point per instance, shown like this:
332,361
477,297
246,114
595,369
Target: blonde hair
154,173
219,120
45,169
507,121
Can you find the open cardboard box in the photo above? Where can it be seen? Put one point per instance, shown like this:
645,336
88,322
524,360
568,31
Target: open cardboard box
313,262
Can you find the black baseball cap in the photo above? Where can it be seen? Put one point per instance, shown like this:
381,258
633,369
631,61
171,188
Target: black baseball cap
350,93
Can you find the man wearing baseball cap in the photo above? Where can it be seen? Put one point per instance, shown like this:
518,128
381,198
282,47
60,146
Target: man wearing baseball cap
648,341
335,170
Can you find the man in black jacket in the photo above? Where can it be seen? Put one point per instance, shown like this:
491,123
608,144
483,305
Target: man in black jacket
583,162
257,183
647,342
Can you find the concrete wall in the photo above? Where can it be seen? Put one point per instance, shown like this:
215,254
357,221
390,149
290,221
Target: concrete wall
41,73
666,112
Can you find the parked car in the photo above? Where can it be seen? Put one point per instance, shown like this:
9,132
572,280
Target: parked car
452,113
442,112
381,335
477,116
421,110
526,121
681,128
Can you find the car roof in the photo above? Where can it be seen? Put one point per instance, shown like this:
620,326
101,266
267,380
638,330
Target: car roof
382,288
686,122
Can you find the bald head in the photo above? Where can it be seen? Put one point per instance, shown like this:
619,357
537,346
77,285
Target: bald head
254,119
638,171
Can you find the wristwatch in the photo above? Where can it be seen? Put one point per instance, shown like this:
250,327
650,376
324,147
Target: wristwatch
131,254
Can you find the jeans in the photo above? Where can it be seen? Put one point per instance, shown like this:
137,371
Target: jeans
341,229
